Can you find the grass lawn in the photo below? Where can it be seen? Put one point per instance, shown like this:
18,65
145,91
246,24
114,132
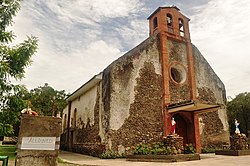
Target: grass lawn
8,151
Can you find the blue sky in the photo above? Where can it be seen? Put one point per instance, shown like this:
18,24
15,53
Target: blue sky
79,38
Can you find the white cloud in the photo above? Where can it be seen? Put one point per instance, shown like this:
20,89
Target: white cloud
135,32
92,11
70,72
78,39
71,48
220,29
112,9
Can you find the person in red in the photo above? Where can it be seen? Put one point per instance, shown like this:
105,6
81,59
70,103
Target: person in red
173,126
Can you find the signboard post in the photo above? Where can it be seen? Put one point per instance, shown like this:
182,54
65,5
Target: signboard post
38,141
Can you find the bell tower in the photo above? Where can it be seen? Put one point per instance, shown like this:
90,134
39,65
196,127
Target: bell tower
170,21
172,29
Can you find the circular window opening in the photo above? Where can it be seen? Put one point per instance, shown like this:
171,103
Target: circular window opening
178,73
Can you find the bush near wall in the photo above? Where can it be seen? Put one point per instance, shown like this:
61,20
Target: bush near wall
157,148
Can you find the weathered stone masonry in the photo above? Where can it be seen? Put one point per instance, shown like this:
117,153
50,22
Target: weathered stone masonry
177,54
134,98
210,90
137,86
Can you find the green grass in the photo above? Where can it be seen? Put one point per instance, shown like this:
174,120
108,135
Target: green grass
8,151
59,160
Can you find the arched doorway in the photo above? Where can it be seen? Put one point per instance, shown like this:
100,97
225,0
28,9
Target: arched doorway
185,127
181,127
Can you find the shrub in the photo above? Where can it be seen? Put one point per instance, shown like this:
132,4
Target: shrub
189,149
109,154
157,148
207,150
142,149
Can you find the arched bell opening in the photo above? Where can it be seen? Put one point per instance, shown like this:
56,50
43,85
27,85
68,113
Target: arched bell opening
181,27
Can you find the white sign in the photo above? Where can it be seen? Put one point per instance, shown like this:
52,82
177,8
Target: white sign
38,143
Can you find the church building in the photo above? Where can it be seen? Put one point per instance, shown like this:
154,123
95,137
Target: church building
134,99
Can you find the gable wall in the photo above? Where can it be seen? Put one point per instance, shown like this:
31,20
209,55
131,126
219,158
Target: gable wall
214,128
134,112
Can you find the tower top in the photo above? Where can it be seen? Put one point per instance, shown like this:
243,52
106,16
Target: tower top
167,7
171,21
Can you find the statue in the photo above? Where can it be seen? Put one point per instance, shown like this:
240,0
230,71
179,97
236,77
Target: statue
237,130
28,110
173,126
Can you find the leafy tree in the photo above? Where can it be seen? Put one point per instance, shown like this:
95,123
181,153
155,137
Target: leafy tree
10,115
13,59
239,108
44,100
47,101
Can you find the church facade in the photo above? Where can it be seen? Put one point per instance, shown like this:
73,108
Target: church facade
135,97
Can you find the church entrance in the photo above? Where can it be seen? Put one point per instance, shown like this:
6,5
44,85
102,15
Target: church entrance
185,126
181,127
186,116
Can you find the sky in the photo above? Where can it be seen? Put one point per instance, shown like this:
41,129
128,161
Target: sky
80,38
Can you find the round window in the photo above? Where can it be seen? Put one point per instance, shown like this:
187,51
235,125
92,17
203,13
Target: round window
178,73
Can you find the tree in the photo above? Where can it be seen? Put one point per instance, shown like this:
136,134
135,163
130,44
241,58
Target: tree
13,59
47,101
10,115
44,100
239,108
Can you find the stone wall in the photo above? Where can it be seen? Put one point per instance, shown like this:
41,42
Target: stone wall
238,142
212,131
134,113
178,54
86,133
84,106
65,118
210,89
87,126
175,142
214,128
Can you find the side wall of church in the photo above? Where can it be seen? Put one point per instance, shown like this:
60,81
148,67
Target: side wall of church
214,127
84,122
132,96
63,139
